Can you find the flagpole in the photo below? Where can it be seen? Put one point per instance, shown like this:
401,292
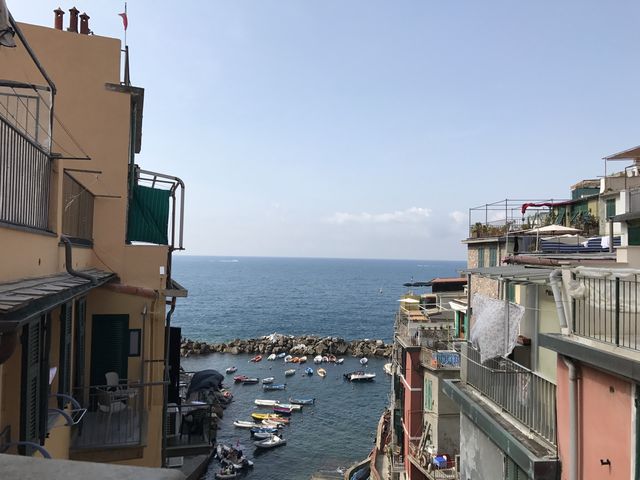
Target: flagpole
125,30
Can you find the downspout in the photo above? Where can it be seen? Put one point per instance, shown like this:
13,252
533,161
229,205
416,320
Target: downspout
165,383
68,261
555,279
573,419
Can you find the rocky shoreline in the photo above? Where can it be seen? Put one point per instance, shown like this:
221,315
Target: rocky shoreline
309,345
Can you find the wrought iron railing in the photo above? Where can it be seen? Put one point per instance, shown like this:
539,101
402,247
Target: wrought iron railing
526,396
606,309
77,213
25,172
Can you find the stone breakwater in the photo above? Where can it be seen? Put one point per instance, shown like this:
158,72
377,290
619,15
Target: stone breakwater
309,345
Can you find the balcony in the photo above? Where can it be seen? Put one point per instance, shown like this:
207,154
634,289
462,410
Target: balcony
606,309
25,173
524,395
156,209
77,213
433,466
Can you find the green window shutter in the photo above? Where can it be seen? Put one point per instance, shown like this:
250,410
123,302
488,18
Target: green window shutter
64,369
611,208
148,219
511,292
80,325
480,257
493,256
428,394
109,346
634,233
32,343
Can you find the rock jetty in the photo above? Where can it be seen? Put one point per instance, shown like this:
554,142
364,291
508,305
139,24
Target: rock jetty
309,345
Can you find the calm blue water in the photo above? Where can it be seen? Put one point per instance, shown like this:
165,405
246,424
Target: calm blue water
251,297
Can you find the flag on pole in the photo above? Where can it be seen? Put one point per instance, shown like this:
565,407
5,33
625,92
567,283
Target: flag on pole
125,21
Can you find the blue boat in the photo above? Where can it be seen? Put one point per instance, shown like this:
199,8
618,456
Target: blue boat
274,386
308,371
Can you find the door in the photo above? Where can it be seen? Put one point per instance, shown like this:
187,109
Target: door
109,347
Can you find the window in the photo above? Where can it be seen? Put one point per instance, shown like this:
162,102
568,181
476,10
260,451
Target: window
428,395
480,257
493,256
611,208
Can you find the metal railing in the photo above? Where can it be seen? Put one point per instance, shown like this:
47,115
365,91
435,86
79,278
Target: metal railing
115,416
527,397
77,213
25,173
435,467
606,309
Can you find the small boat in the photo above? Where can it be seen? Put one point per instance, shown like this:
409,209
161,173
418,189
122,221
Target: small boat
332,358
303,359
288,373
308,371
256,359
279,409
295,360
364,361
267,431
340,361
281,355
359,376
273,417
227,472
288,358
274,441
268,380
231,370
265,403
250,381
325,359
317,359
240,378
230,456
275,386
322,372
272,423
302,401
271,357
244,424
388,368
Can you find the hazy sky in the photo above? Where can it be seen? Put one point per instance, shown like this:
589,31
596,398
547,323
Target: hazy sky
366,128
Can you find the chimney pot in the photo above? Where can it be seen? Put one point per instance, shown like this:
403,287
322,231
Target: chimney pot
84,24
73,20
57,21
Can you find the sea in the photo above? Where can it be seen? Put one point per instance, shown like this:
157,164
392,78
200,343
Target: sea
250,297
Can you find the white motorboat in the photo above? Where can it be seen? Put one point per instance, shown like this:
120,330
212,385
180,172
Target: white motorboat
274,441
268,380
271,357
359,376
340,361
317,359
244,424
265,403
291,406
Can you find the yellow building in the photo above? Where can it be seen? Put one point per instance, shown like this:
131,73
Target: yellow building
86,292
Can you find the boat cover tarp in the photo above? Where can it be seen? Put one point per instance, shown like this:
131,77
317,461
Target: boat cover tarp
205,380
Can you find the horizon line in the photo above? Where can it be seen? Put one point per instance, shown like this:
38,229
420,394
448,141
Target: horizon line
178,254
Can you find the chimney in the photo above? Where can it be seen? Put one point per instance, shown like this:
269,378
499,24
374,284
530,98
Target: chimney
84,24
57,22
73,20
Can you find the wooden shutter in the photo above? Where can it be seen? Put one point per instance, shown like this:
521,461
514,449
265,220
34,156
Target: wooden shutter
64,372
480,257
78,371
109,346
32,349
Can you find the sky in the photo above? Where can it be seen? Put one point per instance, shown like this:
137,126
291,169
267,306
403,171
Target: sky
368,128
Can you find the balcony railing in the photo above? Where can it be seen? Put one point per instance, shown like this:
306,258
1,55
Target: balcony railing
434,467
25,172
527,397
115,416
77,216
606,309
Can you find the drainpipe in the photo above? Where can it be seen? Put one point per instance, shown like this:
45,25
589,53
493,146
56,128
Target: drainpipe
165,386
68,261
573,419
555,279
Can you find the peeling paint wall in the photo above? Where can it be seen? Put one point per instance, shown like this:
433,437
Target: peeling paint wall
480,458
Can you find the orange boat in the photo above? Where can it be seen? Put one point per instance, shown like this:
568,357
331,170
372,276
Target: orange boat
257,358
295,360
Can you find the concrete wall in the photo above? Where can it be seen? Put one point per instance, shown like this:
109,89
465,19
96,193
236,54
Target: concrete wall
605,424
480,458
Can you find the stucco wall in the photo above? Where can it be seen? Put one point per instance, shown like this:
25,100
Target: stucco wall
480,458
605,423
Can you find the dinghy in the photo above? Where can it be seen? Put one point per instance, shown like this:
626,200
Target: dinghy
271,357
250,381
282,355
274,386
290,372
291,406
274,441
288,358
265,403
317,359
303,359
359,376
325,359
244,424
256,359
364,361
240,378
302,401
308,371
322,372
268,380
340,361
231,369
280,410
